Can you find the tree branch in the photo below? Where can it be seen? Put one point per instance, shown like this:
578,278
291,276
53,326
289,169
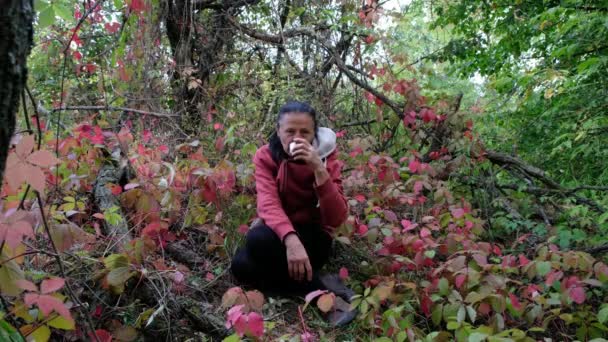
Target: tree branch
116,109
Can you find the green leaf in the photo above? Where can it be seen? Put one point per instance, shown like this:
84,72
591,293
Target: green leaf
462,314
113,261
39,5
383,339
46,17
444,286
477,337
118,4
9,333
63,12
118,276
590,62
603,218
602,315
453,325
232,338
437,314
543,268
472,313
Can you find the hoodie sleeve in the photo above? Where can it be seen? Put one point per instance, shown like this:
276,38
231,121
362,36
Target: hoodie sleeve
332,202
269,204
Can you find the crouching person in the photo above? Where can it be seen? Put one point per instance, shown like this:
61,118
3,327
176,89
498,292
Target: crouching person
300,202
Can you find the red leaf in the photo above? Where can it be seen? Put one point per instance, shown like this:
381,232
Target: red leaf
243,229
515,302
484,309
460,279
414,166
360,198
35,177
26,285
425,232
425,305
51,285
553,276
417,187
233,315
137,5
47,304
427,115
102,335
481,259
13,233
496,250
343,273
116,189
577,294
362,229
112,27
25,146
15,171
43,158
408,225
457,213
255,324
219,144
30,298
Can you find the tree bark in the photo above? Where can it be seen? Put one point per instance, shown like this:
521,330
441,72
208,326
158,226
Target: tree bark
16,36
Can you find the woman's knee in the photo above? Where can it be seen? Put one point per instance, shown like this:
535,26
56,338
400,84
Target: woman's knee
241,266
262,237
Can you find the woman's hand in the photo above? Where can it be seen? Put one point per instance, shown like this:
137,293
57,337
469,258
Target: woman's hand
298,262
305,152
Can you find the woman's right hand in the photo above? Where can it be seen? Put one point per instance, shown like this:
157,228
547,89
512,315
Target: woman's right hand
298,262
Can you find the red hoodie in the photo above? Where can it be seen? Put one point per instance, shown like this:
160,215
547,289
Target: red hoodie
288,196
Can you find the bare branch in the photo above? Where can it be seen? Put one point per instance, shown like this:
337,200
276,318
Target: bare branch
117,109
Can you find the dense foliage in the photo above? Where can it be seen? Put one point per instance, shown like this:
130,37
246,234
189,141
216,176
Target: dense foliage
129,180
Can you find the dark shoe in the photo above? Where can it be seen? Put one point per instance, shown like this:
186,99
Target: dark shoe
342,314
334,284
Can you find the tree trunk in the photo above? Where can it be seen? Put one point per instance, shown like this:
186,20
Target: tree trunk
16,36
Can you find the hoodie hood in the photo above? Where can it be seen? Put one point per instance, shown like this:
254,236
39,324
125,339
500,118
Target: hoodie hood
325,143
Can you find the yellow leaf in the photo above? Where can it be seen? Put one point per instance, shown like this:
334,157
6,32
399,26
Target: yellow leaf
21,310
41,334
125,334
61,322
115,261
9,273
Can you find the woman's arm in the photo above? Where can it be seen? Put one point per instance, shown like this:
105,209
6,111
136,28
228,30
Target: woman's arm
268,200
332,202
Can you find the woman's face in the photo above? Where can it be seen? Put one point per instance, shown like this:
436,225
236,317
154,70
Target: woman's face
295,125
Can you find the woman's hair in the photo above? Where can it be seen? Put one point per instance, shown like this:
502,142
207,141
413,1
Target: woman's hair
276,149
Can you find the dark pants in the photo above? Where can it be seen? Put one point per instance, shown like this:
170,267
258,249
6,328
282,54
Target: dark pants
262,262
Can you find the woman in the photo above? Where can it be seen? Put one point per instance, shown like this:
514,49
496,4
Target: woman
301,202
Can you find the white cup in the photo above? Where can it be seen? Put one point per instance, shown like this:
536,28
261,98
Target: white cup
292,146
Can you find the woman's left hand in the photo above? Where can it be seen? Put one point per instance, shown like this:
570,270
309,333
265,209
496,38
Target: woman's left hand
304,151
